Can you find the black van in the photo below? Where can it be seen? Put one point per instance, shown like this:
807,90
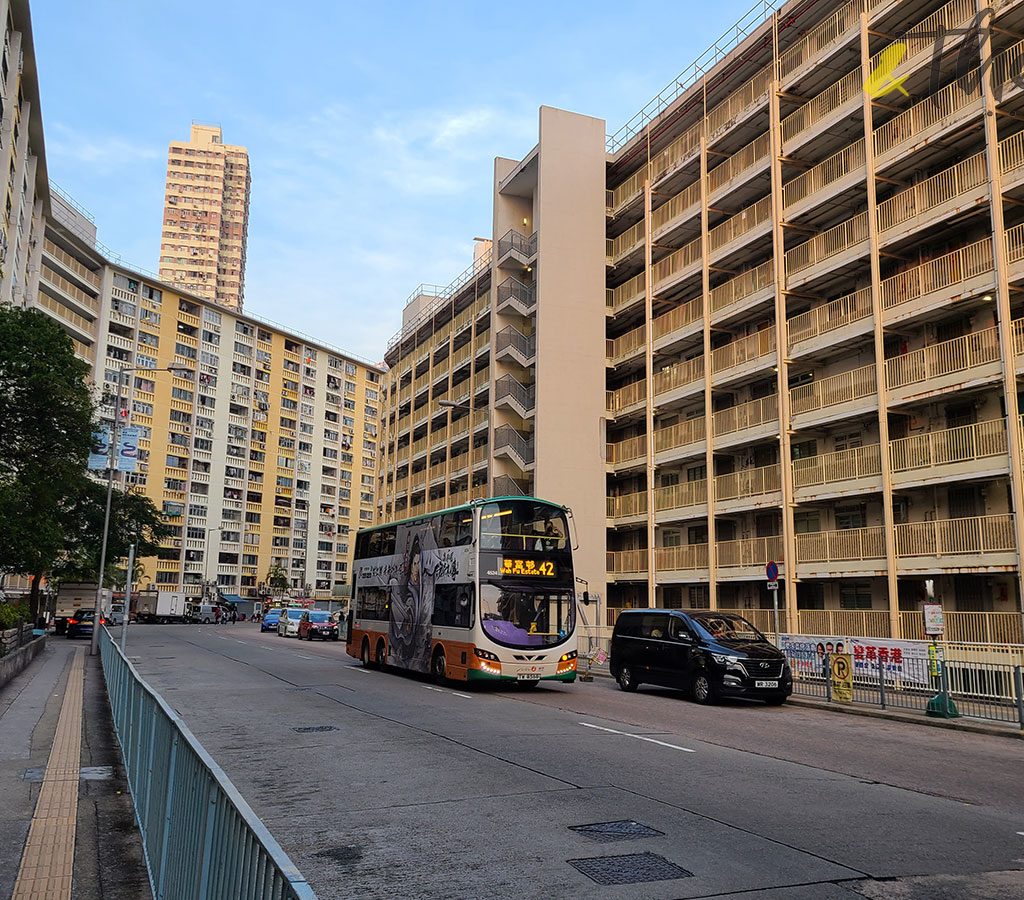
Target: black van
710,654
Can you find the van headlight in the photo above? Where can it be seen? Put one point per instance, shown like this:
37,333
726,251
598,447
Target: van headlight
724,659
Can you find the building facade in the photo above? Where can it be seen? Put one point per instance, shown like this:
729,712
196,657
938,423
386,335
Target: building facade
811,326
206,217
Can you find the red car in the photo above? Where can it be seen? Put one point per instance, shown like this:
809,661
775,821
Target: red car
317,623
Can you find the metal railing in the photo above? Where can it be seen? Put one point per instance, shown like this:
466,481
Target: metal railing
667,269
199,836
745,349
827,172
947,185
745,415
679,496
748,551
957,355
683,315
628,450
844,236
743,286
513,290
626,344
627,505
943,271
840,465
669,214
506,437
679,375
819,38
824,104
682,434
515,242
743,159
833,390
748,483
743,222
830,316
962,444
510,336
507,486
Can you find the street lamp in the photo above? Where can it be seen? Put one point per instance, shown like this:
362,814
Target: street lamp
111,463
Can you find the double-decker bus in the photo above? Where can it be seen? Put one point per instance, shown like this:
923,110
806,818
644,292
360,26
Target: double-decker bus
484,591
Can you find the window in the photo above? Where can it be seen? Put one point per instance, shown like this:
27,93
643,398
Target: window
371,603
855,595
850,517
453,605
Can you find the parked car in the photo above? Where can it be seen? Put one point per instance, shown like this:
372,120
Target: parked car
288,624
270,619
709,654
317,623
81,623
114,615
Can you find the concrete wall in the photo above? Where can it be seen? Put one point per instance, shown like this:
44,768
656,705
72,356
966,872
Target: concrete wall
14,663
570,417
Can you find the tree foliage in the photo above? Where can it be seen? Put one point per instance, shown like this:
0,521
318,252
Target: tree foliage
277,579
46,414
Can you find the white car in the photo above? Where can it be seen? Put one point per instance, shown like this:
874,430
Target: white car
288,625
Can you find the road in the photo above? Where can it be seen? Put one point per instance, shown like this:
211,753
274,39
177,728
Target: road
420,791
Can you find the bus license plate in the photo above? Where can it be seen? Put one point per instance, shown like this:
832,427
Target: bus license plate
766,684
528,676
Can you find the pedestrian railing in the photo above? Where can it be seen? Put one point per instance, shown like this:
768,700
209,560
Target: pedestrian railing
945,688
200,838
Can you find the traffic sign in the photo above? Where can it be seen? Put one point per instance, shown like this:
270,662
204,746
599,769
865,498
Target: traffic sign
842,677
771,571
772,585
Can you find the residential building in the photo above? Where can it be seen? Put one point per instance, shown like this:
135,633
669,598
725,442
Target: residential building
206,217
263,455
811,321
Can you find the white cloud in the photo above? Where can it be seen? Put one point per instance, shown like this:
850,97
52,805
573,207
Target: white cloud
102,153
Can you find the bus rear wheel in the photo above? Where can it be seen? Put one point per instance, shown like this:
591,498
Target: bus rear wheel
439,667
364,654
381,657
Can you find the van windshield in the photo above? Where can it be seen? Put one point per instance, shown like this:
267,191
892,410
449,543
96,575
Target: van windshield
726,627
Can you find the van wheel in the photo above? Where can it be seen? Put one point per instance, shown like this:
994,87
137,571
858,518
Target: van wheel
702,690
381,657
439,667
627,681
365,654
206,621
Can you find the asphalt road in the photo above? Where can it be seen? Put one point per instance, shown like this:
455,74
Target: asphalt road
420,791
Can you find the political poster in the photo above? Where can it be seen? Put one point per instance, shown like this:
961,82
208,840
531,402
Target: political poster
904,661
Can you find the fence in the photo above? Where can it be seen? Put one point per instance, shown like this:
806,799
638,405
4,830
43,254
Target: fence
199,837
992,691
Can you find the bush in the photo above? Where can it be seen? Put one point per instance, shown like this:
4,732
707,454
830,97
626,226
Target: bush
12,615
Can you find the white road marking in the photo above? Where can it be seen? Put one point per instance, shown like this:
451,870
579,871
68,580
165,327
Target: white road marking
300,656
360,671
443,691
1021,833
639,737
237,641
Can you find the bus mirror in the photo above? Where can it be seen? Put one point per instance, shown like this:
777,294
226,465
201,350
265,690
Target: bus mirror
586,598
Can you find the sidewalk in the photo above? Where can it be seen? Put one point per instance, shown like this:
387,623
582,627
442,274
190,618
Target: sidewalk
107,857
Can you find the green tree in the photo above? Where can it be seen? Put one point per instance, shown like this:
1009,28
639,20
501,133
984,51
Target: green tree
46,414
133,519
277,580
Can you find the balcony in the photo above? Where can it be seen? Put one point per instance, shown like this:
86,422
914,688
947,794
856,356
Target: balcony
632,450
626,563
969,451
739,294
676,266
626,242
838,396
836,174
679,380
627,398
627,293
669,327
839,246
750,421
849,315
748,489
984,543
511,394
822,111
627,508
680,208
514,296
71,264
741,166
950,365
849,551
743,357
679,563
512,345
516,246
686,500
745,559
742,228
838,474
629,344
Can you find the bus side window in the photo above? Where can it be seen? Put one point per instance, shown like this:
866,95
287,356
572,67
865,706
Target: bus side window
453,607
387,541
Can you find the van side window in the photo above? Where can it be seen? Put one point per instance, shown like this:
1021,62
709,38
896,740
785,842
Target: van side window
654,626
628,625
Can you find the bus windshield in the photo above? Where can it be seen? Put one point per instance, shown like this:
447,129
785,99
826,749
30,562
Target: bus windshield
527,585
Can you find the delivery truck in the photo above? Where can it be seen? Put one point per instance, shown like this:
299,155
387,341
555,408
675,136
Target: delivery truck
162,607
75,596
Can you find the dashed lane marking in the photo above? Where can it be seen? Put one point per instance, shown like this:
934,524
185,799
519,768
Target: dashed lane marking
639,737
443,691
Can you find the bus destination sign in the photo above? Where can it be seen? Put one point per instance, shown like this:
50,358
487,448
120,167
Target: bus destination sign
511,565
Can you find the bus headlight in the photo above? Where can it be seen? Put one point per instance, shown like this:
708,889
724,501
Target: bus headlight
485,654
567,656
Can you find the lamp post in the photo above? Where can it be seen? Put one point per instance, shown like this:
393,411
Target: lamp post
206,557
111,464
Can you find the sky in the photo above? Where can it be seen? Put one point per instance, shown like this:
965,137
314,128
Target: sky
371,127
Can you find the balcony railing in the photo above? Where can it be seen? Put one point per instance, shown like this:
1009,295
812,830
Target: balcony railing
965,176
742,286
627,562
841,465
628,450
627,505
675,208
743,222
820,37
677,151
626,344
749,551
668,268
626,396
71,263
683,315
943,271
745,158
684,558
682,434
679,496
514,242
626,241
824,104
947,537
748,483
506,437
844,545
962,444
521,394
628,292
679,375
833,390
830,316
836,240
525,345
512,289
753,346
827,172
745,415
739,101
957,355
965,627
939,107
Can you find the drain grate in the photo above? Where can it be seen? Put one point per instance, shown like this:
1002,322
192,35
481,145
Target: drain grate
624,830
633,868
310,729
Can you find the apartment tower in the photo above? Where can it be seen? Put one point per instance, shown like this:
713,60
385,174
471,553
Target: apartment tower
206,217
811,332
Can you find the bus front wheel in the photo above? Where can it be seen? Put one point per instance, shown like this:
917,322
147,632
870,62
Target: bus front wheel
381,654
439,667
365,654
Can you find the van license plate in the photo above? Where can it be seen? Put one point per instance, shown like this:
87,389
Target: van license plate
528,676
766,684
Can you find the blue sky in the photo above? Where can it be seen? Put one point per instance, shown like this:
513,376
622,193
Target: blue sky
371,127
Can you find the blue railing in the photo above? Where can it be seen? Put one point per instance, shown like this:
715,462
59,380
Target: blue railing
200,838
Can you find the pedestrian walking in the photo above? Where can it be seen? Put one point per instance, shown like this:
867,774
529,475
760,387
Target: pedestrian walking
234,615
216,615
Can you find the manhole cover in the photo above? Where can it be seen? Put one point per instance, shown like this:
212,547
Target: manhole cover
633,868
310,729
606,832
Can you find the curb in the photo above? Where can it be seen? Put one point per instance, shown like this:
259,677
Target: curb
971,727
